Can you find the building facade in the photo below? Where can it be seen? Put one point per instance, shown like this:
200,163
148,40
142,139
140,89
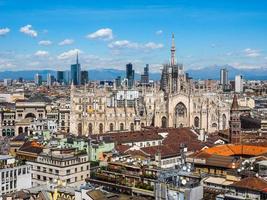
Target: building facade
13,175
60,164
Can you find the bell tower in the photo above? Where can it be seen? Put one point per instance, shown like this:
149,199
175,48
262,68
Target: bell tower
235,123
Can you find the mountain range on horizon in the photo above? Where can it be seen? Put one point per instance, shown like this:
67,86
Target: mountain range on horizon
211,72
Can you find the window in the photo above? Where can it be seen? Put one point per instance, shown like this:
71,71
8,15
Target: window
196,122
180,110
132,126
121,126
111,127
100,128
90,128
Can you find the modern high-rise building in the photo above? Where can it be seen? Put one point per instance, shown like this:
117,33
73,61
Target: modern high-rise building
84,77
50,80
76,72
118,82
145,76
130,75
38,79
66,77
238,83
224,78
60,77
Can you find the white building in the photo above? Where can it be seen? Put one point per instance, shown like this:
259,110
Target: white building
13,175
238,84
65,165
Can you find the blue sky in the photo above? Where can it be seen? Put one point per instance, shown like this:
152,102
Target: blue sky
37,34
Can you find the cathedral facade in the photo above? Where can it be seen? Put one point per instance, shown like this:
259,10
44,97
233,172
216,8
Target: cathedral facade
176,103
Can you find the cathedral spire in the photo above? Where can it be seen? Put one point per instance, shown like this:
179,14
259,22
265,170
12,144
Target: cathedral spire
173,62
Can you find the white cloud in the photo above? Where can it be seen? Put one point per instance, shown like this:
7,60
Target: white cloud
45,42
69,54
66,42
4,31
159,32
120,44
103,34
152,45
251,52
28,30
41,53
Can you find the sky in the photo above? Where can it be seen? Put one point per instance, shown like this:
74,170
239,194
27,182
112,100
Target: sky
47,34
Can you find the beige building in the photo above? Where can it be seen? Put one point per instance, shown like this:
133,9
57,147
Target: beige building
65,165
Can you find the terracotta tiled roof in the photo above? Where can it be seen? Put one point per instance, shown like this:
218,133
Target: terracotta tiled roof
122,148
251,183
31,147
232,149
128,137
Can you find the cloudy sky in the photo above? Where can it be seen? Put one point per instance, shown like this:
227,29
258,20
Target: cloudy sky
46,34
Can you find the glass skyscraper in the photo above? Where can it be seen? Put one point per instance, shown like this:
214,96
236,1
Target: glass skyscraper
75,72
130,75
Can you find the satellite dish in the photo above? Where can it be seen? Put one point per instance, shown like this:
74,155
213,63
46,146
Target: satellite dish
184,168
183,181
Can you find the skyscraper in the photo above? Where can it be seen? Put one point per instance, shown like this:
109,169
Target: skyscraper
145,76
66,77
84,77
50,80
118,82
224,78
130,75
38,79
238,84
76,72
60,77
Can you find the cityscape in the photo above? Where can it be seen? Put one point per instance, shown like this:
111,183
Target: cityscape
175,112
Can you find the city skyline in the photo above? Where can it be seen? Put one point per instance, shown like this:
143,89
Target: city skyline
47,34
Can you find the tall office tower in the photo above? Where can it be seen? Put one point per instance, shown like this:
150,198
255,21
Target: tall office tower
66,77
38,79
50,80
238,84
118,82
224,78
60,77
145,76
234,123
130,75
76,72
84,77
